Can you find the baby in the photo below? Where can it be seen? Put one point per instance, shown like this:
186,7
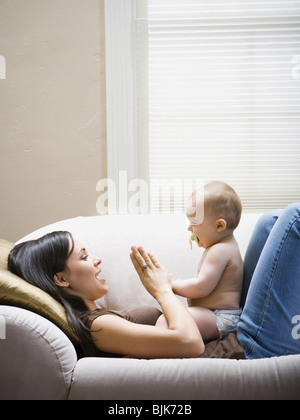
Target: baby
214,295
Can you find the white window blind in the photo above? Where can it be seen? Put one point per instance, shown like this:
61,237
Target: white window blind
224,98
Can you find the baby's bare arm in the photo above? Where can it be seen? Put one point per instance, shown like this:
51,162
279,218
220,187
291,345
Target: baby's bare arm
212,268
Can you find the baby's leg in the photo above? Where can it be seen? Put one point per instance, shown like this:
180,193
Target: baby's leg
206,321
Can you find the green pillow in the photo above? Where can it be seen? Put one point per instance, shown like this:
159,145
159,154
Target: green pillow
15,291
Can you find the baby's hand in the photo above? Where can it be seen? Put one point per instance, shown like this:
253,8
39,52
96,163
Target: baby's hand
173,278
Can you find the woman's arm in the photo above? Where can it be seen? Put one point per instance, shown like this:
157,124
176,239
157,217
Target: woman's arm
181,339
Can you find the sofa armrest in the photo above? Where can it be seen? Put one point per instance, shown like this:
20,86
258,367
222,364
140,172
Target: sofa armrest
36,357
186,379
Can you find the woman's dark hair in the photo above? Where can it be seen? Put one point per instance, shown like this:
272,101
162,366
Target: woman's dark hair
37,262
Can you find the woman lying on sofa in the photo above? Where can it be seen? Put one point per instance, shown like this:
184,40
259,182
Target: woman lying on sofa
60,265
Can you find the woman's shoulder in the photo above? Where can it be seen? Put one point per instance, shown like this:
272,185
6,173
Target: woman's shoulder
89,317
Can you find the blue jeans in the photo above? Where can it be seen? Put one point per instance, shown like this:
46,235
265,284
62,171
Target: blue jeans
270,322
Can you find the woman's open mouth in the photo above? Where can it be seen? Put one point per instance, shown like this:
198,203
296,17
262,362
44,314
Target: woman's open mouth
100,279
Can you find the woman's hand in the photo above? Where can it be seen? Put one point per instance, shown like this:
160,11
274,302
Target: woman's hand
155,278
182,336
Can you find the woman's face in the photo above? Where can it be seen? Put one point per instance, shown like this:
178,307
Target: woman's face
82,275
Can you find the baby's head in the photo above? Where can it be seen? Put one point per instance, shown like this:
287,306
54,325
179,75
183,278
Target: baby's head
222,202
217,207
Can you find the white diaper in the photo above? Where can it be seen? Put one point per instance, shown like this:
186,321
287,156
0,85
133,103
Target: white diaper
227,321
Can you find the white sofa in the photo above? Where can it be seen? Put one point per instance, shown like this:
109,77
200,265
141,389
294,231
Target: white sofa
38,361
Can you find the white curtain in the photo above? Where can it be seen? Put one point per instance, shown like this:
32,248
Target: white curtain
224,98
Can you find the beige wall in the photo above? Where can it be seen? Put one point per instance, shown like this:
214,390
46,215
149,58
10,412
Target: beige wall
52,112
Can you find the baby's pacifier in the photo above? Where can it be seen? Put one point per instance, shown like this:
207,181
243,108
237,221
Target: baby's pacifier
193,238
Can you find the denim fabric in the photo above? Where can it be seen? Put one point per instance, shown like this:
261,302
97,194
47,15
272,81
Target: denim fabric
268,325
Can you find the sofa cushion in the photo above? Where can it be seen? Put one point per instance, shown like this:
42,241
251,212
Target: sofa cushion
15,291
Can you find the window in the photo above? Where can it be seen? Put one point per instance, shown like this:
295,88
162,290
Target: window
222,96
